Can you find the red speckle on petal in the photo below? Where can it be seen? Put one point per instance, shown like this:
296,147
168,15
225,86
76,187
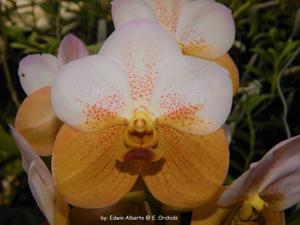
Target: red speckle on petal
167,14
194,39
105,109
177,108
141,80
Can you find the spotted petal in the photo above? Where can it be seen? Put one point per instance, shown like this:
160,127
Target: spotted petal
198,98
36,121
71,48
205,29
126,10
37,71
167,12
188,175
91,93
91,178
141,48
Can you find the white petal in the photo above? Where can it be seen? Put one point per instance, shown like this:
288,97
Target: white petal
141,48
37,71
127,10
44,197
91,93
205,29
193,95
167,12
71,48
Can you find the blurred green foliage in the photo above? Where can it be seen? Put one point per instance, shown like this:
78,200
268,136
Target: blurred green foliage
266,109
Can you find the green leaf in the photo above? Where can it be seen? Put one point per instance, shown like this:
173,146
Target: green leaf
254,101
94,49
7,143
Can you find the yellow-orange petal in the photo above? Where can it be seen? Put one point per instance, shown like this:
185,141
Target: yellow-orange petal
61,211
269,217
109,215
86,171
227,62
210,213
37,122
192,170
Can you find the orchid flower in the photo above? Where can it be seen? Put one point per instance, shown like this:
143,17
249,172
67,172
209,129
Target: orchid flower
52,205
41,183
35,119
140,107
260,195
202,28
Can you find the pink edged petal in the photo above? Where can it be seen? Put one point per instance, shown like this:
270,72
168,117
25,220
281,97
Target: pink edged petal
281,144
90,94
265,176
126,10
141,48
205,29
43,196
71,48
37,71
247,183
283,193
39,177
192,95
167,12
285,158
30,156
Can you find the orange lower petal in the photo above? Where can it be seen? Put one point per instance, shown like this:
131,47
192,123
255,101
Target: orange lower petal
61,211
227,62
37,122
85,168
192,169
210,213
269,217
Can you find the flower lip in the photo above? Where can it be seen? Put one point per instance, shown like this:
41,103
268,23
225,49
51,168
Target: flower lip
139,154
140,138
